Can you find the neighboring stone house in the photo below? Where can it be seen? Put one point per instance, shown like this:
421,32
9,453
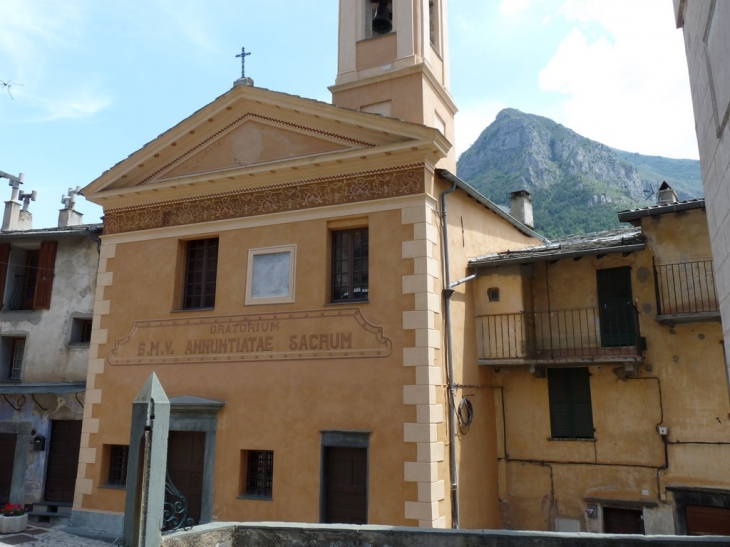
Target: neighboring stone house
47,285
706,28
280,264
610,380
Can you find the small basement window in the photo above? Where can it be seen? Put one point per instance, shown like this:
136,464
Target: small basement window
118,455
257,473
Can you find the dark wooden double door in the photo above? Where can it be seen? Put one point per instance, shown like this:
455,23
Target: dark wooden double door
345,489
63,460
7,462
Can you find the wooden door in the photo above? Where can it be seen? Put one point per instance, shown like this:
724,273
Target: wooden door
616,312
707,521
185,458
346,485
7,461
622,521
63,460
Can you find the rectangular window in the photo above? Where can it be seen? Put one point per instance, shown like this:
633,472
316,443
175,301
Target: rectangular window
16,357
29,279
80,331
350,265
118,458
270,275
201,264
257,468
26,276
571,413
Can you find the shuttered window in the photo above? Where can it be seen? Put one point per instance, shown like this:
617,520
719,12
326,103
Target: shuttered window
4,260
44,276
29,277
571,415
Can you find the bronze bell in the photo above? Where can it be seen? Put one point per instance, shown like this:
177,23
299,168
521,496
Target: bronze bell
382,21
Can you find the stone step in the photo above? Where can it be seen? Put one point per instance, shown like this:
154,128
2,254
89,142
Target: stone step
49,514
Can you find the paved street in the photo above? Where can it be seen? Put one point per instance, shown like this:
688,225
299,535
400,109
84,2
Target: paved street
41,534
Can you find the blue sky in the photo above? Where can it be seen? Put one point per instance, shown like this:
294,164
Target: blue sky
100,79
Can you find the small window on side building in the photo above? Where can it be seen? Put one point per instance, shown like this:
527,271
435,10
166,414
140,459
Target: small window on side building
493,294
80,330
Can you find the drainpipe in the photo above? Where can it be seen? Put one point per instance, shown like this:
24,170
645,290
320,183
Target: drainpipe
447,292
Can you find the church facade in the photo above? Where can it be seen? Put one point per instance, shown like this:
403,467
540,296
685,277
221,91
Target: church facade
288,270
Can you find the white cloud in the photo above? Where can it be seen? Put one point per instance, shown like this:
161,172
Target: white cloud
511,7
32,30
83,104
624,78
471,120
193,21
34,42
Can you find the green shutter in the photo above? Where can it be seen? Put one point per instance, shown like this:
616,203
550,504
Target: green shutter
569,392
615,302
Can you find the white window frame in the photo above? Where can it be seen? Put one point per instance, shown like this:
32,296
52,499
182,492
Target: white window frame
252,254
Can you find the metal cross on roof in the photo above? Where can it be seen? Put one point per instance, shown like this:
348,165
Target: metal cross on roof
243,56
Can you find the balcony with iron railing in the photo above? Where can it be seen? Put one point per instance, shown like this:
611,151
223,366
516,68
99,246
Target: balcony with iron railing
685,293
561,337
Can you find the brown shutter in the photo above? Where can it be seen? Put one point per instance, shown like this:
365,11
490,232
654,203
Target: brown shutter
44,281
4,260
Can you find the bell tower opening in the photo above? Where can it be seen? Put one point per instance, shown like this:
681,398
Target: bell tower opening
393,60
381,17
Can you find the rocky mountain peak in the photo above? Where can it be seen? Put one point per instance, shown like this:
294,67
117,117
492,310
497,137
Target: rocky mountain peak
572,175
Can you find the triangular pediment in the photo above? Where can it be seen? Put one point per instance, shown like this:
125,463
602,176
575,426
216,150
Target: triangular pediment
251,143
251,137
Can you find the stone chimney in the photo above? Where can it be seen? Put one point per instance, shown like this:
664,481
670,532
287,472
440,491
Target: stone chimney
666,195
68,216
520,207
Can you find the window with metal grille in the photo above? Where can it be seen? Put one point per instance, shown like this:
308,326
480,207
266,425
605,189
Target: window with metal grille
571,413
16,359
259,473
201,263
118,458
350,265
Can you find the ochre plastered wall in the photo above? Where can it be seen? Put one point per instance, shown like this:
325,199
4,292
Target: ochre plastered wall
682,386
474,230
280,406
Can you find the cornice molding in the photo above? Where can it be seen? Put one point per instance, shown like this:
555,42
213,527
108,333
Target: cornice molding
322,192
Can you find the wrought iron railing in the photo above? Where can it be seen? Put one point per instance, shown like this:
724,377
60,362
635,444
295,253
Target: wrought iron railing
611,331
685,287
22,295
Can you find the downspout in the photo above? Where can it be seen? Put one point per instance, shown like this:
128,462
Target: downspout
447,292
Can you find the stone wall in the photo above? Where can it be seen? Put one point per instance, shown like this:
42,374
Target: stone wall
322,535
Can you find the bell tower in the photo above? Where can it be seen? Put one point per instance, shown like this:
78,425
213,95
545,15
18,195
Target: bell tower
393,60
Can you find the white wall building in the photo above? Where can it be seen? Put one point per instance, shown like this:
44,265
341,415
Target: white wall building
47,292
